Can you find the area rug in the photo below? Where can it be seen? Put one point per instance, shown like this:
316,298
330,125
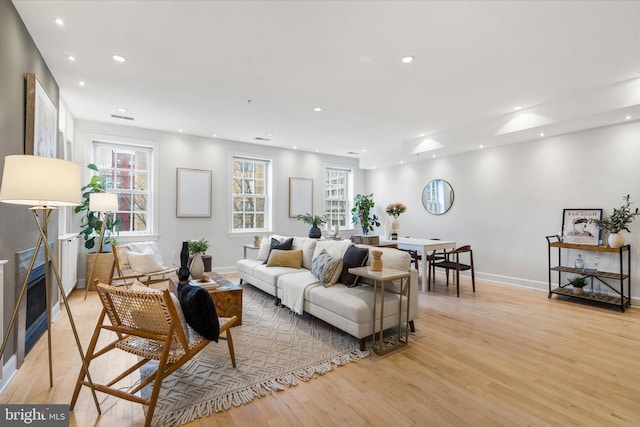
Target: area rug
275,348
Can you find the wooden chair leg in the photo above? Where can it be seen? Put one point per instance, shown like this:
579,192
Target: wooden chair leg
232,352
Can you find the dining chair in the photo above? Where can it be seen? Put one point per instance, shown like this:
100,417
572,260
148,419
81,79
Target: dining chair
452,262
149,324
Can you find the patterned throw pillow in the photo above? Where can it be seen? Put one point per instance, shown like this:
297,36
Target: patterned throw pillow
353,257
326,268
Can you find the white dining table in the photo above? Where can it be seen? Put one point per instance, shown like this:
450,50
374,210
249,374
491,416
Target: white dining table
423,246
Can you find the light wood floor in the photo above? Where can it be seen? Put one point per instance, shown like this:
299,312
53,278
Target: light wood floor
504,356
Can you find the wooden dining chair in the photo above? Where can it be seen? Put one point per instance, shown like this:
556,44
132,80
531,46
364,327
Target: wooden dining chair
452,261
148,323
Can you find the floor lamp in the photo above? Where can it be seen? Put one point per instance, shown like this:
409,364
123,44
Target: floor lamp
43,183
100,203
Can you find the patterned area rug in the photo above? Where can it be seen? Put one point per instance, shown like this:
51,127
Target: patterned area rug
274,349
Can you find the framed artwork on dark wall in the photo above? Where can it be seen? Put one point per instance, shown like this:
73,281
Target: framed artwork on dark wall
577,226
41,124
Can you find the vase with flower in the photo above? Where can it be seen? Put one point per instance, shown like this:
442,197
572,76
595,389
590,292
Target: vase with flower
394,210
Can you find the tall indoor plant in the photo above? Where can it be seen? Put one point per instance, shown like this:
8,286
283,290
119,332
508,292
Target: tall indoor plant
91,222
619,220
361,213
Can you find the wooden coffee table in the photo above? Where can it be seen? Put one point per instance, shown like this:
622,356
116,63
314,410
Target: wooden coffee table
227,296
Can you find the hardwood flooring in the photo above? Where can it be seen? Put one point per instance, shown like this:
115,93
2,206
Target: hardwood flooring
504,356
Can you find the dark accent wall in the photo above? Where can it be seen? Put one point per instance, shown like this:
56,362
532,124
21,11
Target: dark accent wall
18,56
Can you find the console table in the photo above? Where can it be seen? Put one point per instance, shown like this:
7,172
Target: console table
379,279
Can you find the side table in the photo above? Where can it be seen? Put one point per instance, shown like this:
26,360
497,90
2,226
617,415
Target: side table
250,246
379,279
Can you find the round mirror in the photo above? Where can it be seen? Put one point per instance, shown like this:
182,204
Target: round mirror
437,196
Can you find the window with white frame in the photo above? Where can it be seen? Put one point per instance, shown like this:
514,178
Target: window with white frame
250,189
338,196
127,170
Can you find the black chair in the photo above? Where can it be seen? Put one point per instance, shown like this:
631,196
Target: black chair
434,256
452,262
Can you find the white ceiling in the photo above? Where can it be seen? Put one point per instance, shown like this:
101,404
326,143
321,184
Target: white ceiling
245,69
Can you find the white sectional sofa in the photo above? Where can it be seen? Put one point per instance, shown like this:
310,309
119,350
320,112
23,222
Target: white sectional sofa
347,308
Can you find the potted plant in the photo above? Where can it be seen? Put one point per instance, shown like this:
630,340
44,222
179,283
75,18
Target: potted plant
578,283
361,213
395,209
196,249
619,220
314,221
91,221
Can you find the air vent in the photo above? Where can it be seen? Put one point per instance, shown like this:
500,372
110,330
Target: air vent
115,116
259,138
353,153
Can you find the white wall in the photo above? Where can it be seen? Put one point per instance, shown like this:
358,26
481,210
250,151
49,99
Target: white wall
507,199
178,150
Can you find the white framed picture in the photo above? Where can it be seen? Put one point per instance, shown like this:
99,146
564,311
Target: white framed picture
193,193
300,196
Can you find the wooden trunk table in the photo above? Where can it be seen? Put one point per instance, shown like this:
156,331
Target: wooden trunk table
227,296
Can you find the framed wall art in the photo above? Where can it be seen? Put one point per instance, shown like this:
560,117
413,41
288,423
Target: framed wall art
577,226
41,124
300,196
193,193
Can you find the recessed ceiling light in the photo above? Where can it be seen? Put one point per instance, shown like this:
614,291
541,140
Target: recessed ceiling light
180,130
434,156
517,108
71,58
481,146
402,162
295,147
317,150
421,135
81,83
214,135
541,134
59,21
317,109
122,110
269,134
628,118
363,150
118,58
407,59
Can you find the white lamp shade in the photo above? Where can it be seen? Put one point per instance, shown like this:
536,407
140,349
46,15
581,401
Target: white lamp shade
103,202
40,181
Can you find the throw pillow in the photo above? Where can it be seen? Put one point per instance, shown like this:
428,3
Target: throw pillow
275,244
326,268
281,258
353,257
199,310
143,263
263,252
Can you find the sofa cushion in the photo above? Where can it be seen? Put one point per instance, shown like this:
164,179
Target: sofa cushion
353,257
307,245
276,244
144,263
326,268
199,311
335,248
248,265
142,247
269,275
282,258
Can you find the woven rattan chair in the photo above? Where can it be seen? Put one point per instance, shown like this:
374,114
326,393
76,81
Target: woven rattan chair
148,325
122,273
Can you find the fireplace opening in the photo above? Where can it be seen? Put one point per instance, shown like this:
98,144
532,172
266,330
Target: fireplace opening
36,316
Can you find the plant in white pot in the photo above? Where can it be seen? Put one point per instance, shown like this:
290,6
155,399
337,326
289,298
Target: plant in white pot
196,249
578,283
619,220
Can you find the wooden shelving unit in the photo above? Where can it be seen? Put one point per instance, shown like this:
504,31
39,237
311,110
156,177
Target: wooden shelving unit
614,281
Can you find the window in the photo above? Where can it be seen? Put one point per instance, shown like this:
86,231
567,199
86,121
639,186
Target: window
250,189
338,196
127,171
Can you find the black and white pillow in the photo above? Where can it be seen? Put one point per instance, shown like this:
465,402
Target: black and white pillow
326,268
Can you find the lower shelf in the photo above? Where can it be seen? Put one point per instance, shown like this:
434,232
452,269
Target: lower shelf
608,299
